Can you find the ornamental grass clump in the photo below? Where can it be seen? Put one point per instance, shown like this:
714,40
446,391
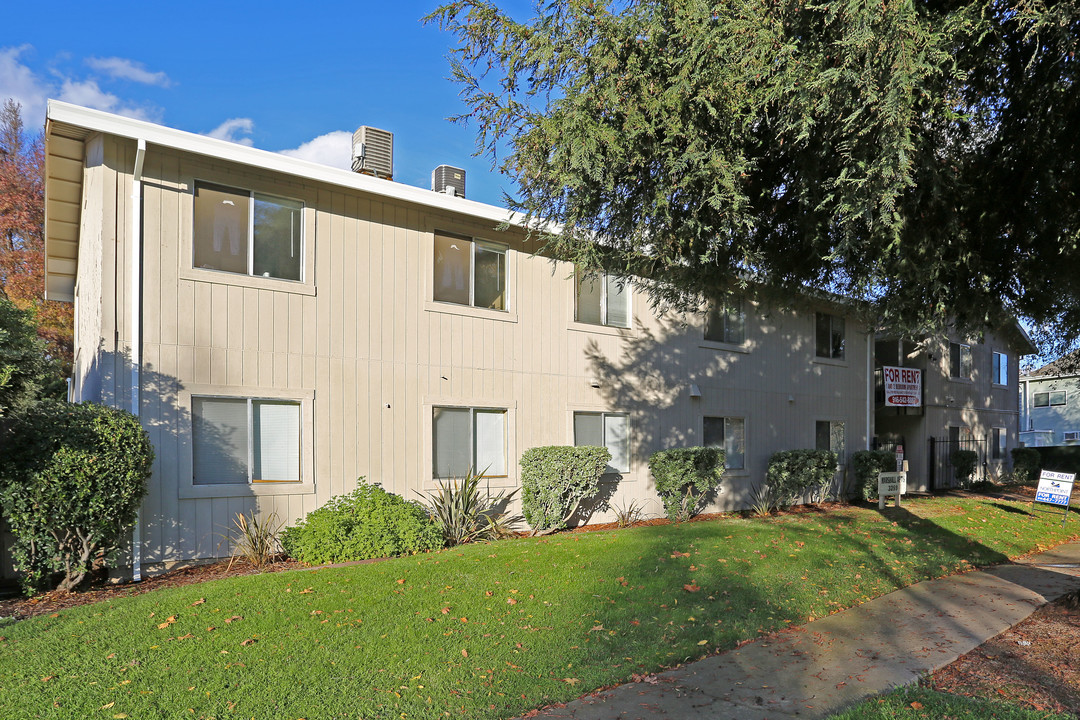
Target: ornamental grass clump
465,515
72,477
792,473
555,480
367,523
684,477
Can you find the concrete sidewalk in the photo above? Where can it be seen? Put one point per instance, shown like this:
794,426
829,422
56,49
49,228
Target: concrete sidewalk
820,668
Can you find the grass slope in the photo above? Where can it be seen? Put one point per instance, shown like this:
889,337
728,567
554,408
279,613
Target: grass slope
487,631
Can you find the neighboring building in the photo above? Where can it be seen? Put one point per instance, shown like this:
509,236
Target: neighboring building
283,328
969,402
1050,403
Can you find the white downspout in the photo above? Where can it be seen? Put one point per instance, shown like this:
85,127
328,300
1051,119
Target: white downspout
870,389
135,303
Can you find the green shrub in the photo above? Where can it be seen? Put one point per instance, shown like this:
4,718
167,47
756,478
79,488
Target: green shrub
71,481
23,361
464,515
867,464
1059,458
964,463
792,472
1026,464
684,476
555,480
367,523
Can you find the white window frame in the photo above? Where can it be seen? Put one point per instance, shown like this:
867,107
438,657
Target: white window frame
841,455
999,370
726,419
999,439
1050,398
302,252
472,438
604,415
1071,435
602,278
186,488
500,248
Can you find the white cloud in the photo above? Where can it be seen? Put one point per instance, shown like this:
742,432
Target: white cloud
88,94
333,149
229,130
123,69
18,82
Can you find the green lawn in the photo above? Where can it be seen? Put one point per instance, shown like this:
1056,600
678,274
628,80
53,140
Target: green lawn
920,703
487,631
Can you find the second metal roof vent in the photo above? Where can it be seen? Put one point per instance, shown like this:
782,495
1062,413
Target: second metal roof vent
449,180
373,152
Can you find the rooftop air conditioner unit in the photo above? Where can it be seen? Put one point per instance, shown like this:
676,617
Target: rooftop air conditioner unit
449,180
373,152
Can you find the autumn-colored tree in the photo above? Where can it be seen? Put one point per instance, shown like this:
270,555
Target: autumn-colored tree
22,234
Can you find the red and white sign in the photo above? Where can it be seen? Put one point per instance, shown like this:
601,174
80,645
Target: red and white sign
903,386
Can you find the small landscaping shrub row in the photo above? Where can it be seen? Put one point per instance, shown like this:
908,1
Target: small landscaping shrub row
792,473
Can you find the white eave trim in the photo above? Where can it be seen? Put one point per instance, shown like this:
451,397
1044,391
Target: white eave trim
120,126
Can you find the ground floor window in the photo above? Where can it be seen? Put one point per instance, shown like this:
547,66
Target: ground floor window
468,439
729,434
830,436
245,440
610,430
998,437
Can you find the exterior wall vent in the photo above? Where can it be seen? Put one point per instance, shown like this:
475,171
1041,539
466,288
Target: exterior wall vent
373,152
449,180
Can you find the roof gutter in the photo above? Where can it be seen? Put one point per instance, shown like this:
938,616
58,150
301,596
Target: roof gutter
135,305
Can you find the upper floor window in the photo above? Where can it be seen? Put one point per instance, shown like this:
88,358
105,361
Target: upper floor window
959,361
469,272
249,233
1049,399
726,322
245,440
468,439
603,300
1000,374
829,341
610,430
729,434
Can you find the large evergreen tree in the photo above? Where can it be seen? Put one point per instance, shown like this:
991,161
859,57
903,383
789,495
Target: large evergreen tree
919,156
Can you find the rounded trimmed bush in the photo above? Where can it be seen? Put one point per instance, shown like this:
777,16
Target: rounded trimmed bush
684,476
72,477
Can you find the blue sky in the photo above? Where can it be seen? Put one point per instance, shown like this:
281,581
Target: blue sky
280,76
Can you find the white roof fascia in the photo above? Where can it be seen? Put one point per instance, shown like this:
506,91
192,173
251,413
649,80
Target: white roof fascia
125,127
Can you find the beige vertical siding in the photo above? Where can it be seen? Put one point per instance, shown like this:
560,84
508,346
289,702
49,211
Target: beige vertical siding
368,353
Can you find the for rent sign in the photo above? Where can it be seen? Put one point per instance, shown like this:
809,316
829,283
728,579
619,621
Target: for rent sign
1055,488
903,386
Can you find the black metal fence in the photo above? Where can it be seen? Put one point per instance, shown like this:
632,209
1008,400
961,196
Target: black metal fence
940,471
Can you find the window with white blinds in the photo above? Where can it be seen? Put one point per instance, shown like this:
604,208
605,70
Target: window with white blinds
610,430
465,439
245,440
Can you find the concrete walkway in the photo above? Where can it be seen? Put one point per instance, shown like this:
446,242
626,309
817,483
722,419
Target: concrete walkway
822,667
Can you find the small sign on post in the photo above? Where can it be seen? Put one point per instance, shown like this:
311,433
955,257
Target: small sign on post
1055,488
899,458
894,483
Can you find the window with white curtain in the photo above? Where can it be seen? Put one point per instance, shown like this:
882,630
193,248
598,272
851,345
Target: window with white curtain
245,440
465,439
603,300
728,433
469,272
610,430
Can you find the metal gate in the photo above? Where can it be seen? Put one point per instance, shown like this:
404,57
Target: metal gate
940,471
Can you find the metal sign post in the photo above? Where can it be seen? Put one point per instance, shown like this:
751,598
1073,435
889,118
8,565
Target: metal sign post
1055,489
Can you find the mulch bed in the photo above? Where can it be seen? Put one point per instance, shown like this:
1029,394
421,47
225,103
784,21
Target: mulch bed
100,589
1035,664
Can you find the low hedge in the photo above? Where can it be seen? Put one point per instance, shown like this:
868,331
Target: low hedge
867,465
1027,462
964,463
684,476
367,523
792,472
